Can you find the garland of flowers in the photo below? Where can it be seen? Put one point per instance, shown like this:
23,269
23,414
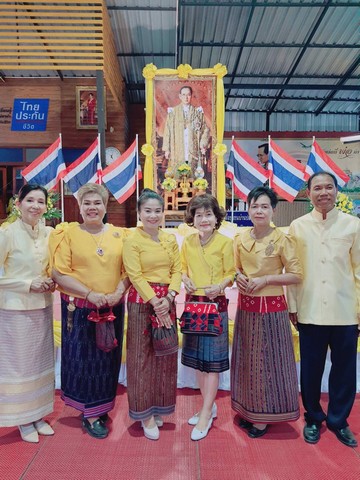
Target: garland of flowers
52,212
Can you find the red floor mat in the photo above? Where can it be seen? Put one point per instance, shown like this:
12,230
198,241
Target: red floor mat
226,453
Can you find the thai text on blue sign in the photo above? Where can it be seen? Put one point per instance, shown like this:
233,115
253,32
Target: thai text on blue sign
30,114
241,218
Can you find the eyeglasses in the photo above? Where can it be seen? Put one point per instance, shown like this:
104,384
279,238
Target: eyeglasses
260,155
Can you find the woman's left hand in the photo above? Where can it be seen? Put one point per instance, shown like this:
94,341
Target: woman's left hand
164,320
162,307
256,284
212,291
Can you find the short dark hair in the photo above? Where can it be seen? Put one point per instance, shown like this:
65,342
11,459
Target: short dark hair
256,192
322,173
186,86
148,194
29,187
205,201
265,146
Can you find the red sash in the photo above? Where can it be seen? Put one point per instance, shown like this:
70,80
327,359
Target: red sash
262,304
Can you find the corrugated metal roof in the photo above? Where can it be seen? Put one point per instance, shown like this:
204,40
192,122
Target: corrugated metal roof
308,49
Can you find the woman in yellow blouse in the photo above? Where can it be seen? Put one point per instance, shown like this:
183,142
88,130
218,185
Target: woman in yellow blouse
207,269
152,261
26,334
264,387
87,266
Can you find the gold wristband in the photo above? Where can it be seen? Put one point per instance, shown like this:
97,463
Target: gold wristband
88,294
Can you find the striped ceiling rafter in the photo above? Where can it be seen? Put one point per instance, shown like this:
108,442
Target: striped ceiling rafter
52,36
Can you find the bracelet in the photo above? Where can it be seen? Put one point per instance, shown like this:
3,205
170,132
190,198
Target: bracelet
88,294
266,280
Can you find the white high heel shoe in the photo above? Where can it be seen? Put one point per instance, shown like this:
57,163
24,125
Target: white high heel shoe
199,434
43,428
28,433
151,433
195,418
159,420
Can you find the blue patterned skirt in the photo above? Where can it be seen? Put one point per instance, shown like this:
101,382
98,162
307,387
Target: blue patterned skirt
207,354
89,376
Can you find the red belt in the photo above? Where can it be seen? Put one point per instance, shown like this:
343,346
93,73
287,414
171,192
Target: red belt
262,304
160,290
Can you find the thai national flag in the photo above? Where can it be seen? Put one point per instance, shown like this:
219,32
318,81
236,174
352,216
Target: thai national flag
286,173
319,161
48,168
85,169
121,176
244,172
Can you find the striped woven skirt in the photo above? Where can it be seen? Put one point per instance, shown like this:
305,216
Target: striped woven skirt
26,366
151,380
205,353
89,376
264,386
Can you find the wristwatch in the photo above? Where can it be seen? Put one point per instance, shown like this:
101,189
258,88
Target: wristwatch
172,294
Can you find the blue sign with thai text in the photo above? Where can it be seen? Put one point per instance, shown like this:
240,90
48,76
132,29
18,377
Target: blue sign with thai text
241,218
30,114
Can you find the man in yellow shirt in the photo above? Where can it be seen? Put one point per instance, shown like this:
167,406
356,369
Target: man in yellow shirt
327,305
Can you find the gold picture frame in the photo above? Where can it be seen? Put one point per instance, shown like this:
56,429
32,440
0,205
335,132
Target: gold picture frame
185,74
86,107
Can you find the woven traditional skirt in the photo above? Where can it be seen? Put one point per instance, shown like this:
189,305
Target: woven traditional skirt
151,380
264,386
89,376
207,354
26,366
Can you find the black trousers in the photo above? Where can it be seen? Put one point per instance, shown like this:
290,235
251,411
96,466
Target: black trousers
314,343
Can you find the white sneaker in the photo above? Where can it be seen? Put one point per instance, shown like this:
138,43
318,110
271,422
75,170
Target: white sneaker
151,433
199,434
28,433
195,418
43,428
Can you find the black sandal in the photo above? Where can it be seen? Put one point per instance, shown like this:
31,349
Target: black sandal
97,429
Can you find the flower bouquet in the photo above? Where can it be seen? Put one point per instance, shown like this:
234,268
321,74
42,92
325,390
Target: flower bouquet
201,183
169,184
184,169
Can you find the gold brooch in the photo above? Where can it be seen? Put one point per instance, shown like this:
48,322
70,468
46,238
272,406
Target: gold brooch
116,234
269,250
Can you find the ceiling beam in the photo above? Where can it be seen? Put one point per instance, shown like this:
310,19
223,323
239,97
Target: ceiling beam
265,86
347,74
142,8
304,99
269,45
303,50
263,3
308,112
146,54
238,57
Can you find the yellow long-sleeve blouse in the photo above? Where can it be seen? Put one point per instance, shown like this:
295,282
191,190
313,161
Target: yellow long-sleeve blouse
73,253
210,264
147,261
268,256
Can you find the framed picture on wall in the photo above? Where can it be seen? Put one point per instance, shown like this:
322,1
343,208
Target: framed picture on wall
87,107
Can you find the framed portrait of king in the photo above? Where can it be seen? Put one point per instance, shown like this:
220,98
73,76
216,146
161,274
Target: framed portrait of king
184,124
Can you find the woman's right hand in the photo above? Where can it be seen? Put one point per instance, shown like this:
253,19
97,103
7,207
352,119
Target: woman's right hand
242,282
40,285
189,285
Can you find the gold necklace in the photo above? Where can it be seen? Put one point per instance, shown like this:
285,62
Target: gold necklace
99,250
